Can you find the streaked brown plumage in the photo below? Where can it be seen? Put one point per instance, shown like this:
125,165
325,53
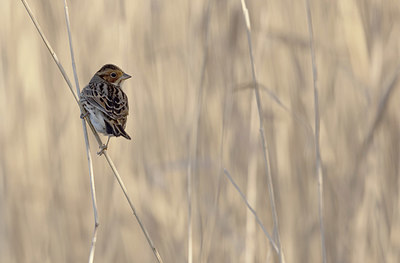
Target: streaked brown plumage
106,103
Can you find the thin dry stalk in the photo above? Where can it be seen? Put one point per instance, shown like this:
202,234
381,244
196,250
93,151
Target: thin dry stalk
85,134
271,240
195,138
298,118
93,245
121,183
53,54
213,215
113,168
270,93
251,191
382,106
262,135
318,161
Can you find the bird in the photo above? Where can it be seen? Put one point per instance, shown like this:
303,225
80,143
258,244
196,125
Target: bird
106,104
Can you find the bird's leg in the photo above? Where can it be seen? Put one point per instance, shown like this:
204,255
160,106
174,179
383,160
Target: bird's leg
104,146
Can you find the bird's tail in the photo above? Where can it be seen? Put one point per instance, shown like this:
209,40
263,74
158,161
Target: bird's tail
116,129
122,132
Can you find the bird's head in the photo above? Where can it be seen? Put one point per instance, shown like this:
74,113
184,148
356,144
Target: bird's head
112,74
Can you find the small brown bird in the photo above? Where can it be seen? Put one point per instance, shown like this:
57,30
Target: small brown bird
106,103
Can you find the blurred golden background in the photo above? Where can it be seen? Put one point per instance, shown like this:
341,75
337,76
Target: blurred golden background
45,205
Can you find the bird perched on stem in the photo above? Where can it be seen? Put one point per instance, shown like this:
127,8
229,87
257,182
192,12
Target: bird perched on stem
106,103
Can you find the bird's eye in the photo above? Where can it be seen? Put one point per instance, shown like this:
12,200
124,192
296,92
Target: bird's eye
113,74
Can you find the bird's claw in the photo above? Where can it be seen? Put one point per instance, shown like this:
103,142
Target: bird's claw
84,115
102,149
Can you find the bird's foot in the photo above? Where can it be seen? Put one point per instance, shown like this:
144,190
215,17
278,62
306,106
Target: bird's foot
102,149
84,115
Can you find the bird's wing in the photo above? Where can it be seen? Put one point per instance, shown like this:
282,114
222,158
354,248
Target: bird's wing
107,98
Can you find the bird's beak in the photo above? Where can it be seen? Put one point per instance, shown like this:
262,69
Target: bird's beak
126,76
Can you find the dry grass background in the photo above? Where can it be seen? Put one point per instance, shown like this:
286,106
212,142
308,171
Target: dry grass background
45,206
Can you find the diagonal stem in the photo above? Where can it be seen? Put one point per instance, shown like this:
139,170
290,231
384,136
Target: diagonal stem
262,135
113,168
122,185
318,161
271,240
382,106
53,54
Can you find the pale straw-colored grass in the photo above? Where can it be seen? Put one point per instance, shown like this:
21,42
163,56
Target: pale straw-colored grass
100,143
45,207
